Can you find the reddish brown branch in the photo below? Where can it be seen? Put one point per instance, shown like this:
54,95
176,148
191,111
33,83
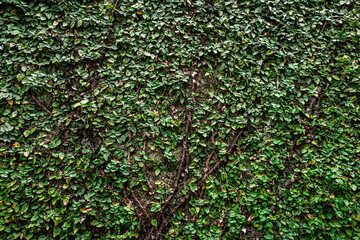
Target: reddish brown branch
183,153
234,142
187,155
168,219
219,161
208,161
183,159
42,106
140,205
143,167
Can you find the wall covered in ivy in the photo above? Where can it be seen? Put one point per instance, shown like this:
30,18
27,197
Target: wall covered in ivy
189,119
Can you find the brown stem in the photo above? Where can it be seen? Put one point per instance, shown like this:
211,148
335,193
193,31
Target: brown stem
208,161
183,158
42,106
143,167
218,162
183,153
140,205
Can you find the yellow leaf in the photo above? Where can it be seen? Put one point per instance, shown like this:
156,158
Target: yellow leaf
356,217
85,210
139,12
158,182
65,202
20,77
11,102
16,144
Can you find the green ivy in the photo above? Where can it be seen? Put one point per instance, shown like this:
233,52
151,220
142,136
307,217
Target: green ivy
190,119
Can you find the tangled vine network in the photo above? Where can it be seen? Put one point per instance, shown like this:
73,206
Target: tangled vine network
188,119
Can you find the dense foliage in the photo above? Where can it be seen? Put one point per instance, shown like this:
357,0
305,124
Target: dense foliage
190,119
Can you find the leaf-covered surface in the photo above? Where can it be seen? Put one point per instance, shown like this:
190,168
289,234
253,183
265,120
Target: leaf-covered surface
186,119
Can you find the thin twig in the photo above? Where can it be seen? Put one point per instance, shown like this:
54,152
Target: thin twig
140,205
42,106
167,200
208,161
323,27
184,152
218,162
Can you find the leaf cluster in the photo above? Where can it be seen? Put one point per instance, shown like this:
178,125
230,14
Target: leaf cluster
196,119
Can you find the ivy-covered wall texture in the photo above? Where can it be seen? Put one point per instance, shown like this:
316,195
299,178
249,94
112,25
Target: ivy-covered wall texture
189,119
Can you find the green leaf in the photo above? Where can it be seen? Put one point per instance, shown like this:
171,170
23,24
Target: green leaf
154,222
